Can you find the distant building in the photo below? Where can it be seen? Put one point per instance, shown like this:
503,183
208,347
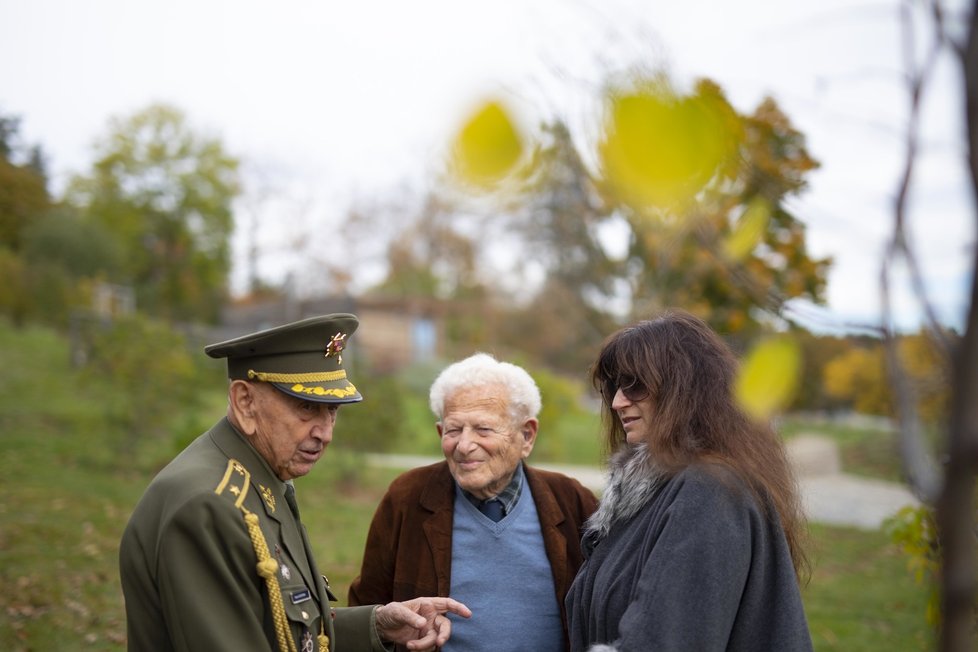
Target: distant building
393,333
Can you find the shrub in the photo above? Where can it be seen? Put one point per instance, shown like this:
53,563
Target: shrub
158,382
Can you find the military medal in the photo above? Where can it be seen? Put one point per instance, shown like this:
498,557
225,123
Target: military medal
307,645
286,573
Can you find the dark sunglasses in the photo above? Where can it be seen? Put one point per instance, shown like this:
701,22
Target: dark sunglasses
631,387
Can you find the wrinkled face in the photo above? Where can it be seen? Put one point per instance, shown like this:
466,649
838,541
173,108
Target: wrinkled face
290,433
481,441
636,412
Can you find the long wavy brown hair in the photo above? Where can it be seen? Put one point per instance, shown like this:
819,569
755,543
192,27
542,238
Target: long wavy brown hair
688,372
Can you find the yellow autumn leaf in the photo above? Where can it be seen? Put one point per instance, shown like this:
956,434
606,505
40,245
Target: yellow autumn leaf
487,147
769,377
660,149
748,231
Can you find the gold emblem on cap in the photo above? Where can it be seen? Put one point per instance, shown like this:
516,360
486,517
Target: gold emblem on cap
335,347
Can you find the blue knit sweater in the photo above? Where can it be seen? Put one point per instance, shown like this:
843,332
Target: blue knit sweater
501,572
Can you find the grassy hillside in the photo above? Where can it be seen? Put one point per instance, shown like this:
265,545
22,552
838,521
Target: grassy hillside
69,480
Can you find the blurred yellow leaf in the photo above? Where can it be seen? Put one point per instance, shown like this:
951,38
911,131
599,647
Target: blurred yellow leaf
488,146
748,231
769,377
660,149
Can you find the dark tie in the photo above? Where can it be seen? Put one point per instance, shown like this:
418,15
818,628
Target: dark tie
492,508
290,499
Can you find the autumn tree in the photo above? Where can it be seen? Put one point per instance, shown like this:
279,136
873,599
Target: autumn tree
730,249
702,192
24,201
166,192
559,216
858,376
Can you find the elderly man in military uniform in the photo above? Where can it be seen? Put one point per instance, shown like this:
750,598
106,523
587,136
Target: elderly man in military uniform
215,556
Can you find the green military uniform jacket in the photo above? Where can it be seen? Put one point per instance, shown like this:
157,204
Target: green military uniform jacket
189,565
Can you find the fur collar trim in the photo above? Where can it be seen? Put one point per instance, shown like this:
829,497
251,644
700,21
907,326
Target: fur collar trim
633,479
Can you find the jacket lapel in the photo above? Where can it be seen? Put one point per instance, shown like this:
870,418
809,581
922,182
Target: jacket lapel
270,491
438,498
551,516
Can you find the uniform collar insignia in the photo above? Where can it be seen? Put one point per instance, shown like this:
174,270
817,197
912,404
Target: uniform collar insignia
268,497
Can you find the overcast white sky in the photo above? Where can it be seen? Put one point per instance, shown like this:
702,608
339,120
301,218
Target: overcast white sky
343,102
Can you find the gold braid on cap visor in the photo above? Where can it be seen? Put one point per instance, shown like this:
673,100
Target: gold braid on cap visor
313,377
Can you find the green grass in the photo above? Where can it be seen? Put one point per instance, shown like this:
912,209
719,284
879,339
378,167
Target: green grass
861,597
68,491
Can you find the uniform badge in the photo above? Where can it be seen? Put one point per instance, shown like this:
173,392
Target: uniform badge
335,347
307,645
268,497
286,573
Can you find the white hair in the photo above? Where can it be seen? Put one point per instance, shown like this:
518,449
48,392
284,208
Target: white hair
483,370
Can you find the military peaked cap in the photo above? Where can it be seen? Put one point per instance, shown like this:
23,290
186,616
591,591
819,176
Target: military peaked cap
303,359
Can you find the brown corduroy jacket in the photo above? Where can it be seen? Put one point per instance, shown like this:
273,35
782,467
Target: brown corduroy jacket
409,545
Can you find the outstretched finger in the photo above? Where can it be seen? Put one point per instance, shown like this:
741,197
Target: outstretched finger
444,605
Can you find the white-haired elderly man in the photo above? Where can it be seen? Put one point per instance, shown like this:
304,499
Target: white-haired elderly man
495,533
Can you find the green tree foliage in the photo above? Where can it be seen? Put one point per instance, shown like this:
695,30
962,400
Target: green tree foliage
14,299
23,186
914,530
67,257
379,422
50,257
24,201
560,398
166,192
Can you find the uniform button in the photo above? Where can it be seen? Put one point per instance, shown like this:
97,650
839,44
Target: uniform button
305,615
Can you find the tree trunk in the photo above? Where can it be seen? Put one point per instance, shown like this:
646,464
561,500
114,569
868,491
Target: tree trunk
956,509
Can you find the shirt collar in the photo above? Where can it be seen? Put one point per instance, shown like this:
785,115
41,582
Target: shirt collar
508,496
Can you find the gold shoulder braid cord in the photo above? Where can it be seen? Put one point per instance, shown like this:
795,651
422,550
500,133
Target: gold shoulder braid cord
267,566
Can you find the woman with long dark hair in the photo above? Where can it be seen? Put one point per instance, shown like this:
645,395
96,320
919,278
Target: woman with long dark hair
698,543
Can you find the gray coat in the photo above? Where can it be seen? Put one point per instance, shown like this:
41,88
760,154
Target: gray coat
699,567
